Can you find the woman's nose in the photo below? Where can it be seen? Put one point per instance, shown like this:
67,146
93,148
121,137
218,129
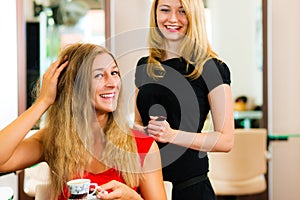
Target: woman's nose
173,17
111,81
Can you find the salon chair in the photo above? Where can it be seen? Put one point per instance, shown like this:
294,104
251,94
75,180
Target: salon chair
242,170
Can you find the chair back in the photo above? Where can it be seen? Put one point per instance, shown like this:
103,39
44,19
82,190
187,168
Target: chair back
6,193
35,175
246,161
168,188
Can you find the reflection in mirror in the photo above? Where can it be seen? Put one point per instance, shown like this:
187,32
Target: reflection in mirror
53,24
235,31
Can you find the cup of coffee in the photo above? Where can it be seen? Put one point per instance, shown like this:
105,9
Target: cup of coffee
80,188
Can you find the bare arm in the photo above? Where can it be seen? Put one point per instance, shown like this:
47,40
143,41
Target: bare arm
15,152
221,139
152,186
27,153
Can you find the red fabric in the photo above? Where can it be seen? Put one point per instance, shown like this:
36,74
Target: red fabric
143,142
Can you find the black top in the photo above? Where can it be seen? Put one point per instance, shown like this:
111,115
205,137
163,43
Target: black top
185,104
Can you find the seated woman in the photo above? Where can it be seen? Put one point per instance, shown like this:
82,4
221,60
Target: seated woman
85,133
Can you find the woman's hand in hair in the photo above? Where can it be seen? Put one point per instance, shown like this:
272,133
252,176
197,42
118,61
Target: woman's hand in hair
117,191
49,83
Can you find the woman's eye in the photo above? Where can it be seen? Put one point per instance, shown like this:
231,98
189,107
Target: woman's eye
182,11
98,75
164,10
115,73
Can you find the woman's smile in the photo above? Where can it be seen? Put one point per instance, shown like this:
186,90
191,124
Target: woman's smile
108,96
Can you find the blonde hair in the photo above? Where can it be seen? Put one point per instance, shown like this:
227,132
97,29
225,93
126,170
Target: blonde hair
195,48
69,129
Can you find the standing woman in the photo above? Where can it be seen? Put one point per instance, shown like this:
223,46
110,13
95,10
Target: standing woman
85,134
182,79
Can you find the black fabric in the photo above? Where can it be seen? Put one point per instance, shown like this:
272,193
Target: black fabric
185,104
190,182
200,191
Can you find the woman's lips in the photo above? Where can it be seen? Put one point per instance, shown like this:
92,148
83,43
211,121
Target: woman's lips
107,96
173,28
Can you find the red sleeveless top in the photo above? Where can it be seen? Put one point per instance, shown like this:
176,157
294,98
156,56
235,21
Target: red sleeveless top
143,143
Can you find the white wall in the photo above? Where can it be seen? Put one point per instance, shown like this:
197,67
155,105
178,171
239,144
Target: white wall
8,76
234,39
284,107
8,68
130,21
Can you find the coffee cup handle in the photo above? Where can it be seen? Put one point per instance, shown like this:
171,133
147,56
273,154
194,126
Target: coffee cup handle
96,185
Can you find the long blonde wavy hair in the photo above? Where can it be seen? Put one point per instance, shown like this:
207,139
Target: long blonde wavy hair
69,132
195,48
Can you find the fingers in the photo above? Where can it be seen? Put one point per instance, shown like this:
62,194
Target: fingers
111,185
50,80
101,193
157,124
120,191
55,69
115,189
52,74
62,66
107,196
159,129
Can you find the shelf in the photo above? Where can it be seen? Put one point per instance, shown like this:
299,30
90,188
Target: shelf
255,114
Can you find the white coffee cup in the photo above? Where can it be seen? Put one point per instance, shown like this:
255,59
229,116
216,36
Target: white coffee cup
79,188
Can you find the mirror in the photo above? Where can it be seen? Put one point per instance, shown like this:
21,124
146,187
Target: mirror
40,34
235,29
53,24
